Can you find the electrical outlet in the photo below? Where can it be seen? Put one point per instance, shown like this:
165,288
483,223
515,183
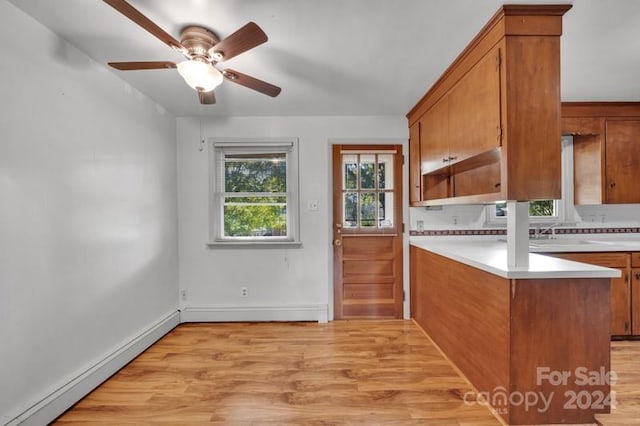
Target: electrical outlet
244,292
183,294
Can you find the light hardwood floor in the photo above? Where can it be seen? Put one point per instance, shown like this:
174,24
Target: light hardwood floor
344,372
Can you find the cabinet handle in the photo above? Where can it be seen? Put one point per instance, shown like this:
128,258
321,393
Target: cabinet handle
612,185
637,275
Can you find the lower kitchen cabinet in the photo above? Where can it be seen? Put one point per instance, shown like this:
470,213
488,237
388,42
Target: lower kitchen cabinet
625,291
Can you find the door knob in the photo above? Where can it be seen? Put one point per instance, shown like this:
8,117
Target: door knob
337,242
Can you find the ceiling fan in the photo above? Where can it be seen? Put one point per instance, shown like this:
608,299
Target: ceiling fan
202,50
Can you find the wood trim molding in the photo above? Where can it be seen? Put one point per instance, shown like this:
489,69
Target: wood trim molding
585,109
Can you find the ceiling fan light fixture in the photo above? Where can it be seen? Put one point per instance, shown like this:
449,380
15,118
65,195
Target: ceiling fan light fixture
201,76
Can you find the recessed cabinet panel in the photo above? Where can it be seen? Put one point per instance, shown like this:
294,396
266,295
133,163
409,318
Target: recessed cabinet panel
623,161
474,110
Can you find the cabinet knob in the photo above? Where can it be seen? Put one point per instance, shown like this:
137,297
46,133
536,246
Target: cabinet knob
637,275
453,158
612,185
445,160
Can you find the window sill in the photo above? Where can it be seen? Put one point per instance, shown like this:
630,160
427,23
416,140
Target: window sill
253,244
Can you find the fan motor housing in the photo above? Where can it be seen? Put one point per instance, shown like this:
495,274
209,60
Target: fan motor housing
198,41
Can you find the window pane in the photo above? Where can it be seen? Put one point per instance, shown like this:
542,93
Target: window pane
542,208
367,172
254,220
350,168
385,209
368,209
350,210
255,172
385,171
539,208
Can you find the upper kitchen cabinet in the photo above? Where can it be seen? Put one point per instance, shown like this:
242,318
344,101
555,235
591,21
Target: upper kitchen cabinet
606,150
489,128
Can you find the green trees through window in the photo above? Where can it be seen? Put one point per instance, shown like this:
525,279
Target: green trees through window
255,195
538,208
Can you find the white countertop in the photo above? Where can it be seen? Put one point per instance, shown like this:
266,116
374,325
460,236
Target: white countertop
490,255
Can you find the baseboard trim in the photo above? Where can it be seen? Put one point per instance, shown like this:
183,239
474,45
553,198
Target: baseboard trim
60,399
254,313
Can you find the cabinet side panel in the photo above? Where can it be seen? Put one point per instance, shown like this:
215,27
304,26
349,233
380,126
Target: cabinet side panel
533,117
466,312
560,325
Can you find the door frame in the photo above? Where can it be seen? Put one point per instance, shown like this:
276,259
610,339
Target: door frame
405,215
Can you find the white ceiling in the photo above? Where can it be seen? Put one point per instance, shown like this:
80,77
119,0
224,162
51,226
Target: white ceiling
341,57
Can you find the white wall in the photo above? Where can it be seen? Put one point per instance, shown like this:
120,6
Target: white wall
280,282
88,213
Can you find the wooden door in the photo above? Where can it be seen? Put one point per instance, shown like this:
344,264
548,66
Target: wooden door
367,231
622,161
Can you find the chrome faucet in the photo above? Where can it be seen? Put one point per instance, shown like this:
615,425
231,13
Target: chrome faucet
542,232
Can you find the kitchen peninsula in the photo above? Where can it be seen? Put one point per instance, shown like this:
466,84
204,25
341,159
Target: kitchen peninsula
513,332
530,332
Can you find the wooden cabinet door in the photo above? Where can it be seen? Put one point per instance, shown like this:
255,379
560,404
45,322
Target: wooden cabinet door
635,301
621,304
474,110
414,164
434,137
622,161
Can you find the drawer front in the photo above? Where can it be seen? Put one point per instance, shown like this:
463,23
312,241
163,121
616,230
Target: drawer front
635,260
611,260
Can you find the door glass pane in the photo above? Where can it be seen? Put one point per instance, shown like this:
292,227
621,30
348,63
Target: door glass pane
350,209
385,171
368,209
367,172
350,171
385,209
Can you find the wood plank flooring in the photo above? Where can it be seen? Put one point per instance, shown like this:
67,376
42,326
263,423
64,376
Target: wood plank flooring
344,372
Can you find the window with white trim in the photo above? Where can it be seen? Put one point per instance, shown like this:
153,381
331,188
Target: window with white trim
254,197
545,211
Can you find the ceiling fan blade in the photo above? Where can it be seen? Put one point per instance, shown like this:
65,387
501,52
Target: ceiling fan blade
207,98
247,37
132,66
251,82
134,14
